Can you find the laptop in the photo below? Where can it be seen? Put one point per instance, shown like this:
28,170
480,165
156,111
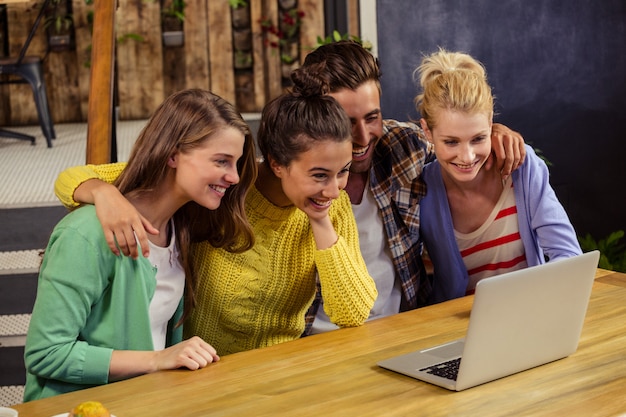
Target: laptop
519,320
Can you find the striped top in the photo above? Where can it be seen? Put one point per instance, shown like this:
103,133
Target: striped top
495,247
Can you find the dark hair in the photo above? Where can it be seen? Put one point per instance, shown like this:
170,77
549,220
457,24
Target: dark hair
292,122
184,121
343,64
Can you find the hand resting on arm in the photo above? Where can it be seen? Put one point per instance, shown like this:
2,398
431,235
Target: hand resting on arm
508,147
122,224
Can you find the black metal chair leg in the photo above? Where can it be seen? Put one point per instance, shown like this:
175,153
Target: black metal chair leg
33,73
16,135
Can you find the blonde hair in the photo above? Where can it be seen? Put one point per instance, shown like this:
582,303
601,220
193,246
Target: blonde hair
452,81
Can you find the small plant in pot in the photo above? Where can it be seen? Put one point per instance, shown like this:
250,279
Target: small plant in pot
58,24
240,13
173,16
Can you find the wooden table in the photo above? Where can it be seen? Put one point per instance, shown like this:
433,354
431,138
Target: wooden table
611,277
335,374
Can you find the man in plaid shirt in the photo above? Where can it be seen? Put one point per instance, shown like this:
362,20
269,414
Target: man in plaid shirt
385,184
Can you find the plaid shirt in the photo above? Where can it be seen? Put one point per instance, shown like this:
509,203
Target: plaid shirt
395,181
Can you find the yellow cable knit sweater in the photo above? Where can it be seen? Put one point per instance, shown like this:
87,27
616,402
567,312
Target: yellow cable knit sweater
260,297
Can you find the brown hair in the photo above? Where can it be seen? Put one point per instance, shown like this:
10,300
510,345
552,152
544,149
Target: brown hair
292,122
343,64
184,121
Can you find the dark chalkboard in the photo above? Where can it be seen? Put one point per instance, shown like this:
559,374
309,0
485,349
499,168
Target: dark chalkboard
558,71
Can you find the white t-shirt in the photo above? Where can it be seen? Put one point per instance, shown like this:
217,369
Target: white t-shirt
170,286
373,243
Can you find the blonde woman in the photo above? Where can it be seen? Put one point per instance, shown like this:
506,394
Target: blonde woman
474,223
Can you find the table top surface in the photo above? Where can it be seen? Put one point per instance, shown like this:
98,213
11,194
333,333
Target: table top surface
611,277
335,373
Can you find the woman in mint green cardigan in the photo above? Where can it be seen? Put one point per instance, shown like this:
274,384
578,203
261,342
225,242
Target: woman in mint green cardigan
100,317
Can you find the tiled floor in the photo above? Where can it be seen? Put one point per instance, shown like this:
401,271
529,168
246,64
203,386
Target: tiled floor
27,175
27,172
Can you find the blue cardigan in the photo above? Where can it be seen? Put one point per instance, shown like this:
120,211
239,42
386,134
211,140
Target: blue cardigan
544,226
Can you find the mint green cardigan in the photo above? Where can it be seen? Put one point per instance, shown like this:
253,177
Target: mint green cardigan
89,303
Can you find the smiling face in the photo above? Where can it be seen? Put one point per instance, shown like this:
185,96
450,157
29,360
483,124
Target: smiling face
462,143
203,174
363,108
315,178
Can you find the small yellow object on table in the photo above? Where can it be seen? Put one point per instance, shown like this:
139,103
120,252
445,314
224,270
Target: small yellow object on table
90,409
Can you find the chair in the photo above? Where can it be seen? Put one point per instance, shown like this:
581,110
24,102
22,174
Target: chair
29,70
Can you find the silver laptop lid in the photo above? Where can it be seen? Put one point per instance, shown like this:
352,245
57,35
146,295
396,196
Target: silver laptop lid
526,318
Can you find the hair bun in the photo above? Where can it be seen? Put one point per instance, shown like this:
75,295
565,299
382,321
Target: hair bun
309,82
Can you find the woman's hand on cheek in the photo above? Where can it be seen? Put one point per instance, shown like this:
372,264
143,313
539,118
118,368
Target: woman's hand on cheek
323,230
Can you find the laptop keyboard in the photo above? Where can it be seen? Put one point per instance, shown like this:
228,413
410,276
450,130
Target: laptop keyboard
448,370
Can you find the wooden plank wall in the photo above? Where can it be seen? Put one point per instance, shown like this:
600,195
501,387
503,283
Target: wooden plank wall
146,71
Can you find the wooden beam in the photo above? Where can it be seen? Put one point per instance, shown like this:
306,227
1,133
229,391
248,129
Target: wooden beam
138,64
312,25
222,77
100,108
353,18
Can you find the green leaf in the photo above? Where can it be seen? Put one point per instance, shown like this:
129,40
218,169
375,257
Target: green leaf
612,252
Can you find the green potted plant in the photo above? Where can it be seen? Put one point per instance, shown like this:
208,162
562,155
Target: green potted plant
173,16
242,34
612,251
240,12
58,24
336,37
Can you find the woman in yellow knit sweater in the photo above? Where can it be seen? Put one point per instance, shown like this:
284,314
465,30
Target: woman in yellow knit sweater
303,226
